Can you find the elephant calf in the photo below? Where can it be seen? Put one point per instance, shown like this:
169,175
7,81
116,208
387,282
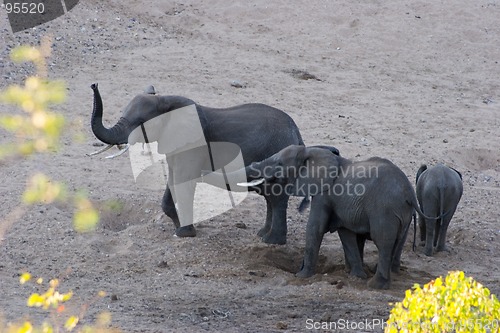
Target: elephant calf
370,199
439,189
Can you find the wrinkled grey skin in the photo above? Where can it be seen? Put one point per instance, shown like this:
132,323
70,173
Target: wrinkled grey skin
259,131
439,189
381,212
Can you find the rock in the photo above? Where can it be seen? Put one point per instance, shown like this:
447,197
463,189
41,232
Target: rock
241,225
281,325
237,84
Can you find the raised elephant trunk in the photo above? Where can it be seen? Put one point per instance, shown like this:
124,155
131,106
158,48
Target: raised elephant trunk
116,135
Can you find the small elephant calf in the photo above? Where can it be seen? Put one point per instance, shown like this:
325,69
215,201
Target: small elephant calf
439,189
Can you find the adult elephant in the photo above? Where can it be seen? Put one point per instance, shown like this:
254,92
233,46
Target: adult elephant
258,131
371,199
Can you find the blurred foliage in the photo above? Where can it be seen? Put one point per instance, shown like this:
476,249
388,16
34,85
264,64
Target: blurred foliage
86,217
38,130
454,304
60,317
35,129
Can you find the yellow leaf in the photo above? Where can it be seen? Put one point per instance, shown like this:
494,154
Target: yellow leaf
71,323
26,328
67,296
25,277
35,300
54,283
47,328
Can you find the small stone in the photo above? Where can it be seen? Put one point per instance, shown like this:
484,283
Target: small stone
445,141
162,264
114,298
325,317
281,325
237,84
259,274
241,225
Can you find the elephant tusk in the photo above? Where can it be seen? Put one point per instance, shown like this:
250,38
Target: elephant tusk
100,150
252,183
122,150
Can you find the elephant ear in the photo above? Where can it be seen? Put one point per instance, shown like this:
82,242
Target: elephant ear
181,131
317,171
421,170
175,131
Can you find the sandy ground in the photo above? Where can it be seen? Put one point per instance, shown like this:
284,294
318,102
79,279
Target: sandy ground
415,82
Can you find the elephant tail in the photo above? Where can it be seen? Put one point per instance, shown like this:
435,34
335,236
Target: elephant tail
414,217
442,214
413,202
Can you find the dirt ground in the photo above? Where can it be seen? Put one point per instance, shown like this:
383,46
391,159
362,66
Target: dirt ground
415,82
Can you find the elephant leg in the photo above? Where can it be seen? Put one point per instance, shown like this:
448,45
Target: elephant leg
183,196
269,219
430,226
437,228
317,225
277,233
183,173
382,278
386,240
360,239
396,260
421,224
351,243
168,207
445,222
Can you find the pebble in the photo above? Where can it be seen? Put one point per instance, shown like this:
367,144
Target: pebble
237,84
241,225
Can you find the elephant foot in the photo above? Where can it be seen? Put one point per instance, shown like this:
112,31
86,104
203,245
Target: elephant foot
378,282
359,273
443,248
187,231
395,268
428,252
263,231
274,238
304,273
